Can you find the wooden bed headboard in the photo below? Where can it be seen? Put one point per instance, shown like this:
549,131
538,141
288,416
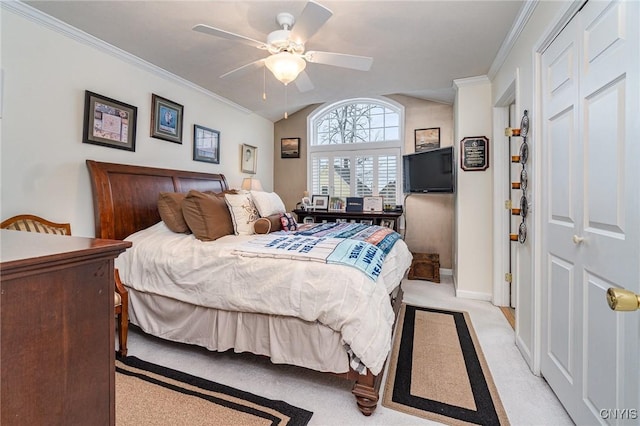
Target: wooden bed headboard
125,197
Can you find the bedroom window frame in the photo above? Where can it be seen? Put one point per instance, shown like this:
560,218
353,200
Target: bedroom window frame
393,118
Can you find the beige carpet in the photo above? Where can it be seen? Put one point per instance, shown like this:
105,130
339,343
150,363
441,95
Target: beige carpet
438,371
148,394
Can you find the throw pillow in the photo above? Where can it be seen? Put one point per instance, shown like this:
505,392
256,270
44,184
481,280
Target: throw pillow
288,222
264,225
243,212
207,215
267,203
170,209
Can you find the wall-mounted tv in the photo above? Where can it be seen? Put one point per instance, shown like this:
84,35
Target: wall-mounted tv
429,171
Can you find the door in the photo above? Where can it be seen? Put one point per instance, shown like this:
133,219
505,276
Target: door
590,213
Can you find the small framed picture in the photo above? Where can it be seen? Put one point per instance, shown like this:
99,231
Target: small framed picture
372,204
427,138
108,122
366,222
306,203
206,144
166,119
387,223
290,148
249,159
320,202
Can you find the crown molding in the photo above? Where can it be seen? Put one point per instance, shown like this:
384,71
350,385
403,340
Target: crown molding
34,15
471,81
518,26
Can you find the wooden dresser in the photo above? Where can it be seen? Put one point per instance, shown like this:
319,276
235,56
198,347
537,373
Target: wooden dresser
57,345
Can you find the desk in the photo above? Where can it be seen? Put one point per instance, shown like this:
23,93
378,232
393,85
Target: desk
389,218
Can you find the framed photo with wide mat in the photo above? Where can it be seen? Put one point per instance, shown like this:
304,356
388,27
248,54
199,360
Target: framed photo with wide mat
437,370
173,397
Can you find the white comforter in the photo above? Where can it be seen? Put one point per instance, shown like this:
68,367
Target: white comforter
208,274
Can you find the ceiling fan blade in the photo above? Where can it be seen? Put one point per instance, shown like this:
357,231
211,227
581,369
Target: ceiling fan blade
361,63
303,82
206,29
313,16
245,68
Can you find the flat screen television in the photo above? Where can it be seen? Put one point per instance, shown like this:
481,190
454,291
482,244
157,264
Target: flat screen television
429,171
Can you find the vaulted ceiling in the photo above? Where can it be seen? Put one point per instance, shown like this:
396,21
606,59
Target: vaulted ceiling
418,47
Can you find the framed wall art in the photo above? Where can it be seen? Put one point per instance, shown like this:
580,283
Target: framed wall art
109,122
290,148
249,159
427,138
206,144
166,119
474,153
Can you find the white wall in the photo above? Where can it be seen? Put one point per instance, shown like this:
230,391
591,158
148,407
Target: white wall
46,74
474,215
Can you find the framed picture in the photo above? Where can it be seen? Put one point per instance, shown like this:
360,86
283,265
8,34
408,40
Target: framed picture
306,203
320,202
366,222
387,223
290,148
108,122
427,138
474,153
166,119
372,204
249,160
206,144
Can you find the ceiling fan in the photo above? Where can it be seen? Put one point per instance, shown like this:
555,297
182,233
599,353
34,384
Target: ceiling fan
286,46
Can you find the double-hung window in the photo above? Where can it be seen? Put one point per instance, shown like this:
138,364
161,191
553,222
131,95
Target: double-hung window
355,149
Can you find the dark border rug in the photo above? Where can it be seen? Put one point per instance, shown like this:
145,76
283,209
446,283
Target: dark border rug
149,394
438,371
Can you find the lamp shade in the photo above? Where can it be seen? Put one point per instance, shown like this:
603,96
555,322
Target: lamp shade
285,66
251,184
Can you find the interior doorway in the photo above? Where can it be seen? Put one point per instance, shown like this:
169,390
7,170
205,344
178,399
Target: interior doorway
505,261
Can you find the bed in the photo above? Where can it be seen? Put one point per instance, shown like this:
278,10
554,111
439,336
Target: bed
291,331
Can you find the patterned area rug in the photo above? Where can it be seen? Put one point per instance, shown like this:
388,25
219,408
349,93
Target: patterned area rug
438,371
148,394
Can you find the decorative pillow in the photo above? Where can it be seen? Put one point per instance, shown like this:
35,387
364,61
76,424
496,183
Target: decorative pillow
264,225
243,212
170,209
267,203
207,215
288,222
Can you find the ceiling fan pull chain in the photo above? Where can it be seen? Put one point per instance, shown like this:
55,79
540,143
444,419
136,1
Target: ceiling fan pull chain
285,103
264,83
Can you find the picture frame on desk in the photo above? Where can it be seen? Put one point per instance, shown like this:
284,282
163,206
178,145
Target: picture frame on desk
354,204
372,204
387,223
320,202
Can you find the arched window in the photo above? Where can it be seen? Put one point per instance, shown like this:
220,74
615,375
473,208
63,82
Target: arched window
355,149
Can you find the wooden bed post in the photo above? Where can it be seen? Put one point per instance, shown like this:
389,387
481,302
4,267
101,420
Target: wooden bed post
367,387
367,392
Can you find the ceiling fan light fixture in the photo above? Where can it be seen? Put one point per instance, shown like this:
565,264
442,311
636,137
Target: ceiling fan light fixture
285,66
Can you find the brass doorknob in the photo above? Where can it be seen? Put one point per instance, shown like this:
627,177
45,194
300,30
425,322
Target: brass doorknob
620,299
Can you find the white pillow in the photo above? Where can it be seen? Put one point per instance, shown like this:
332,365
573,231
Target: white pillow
243,212
267,203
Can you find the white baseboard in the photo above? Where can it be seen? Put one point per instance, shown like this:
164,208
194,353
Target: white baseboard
475,295
444,271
